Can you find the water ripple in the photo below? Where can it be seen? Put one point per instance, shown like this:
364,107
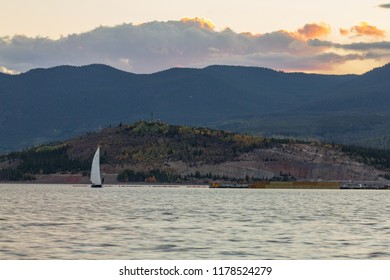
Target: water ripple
61,222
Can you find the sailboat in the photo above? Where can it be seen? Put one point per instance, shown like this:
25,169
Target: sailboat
96,180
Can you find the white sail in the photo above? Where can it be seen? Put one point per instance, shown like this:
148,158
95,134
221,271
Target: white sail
95,169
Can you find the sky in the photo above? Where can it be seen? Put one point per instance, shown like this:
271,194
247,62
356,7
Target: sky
330,37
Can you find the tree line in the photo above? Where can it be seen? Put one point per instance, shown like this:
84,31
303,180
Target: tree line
39,160
379,158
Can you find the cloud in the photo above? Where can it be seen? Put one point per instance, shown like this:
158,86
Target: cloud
385,6
200,22
379,51
5,70
314,30
363,29
343,31
384,46
156,46
288,62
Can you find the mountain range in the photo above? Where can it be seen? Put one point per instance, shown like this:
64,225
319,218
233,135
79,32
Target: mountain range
45,105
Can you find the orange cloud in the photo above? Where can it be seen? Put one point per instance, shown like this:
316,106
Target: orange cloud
369,30
314,30
201,22
344,32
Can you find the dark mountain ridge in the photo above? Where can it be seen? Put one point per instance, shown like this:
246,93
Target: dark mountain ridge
44,105
355,112
368,91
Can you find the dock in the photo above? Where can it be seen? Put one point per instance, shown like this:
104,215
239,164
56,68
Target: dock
364,186
304,185
295,185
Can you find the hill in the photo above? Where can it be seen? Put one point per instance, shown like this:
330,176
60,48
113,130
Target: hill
45,105
169,153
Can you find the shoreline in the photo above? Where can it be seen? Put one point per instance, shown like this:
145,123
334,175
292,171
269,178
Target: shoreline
110,180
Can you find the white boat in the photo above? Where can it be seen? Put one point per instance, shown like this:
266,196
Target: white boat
96,180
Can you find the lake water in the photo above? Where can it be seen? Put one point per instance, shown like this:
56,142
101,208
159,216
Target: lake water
69,222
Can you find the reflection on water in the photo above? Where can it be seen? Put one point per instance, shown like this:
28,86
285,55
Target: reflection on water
66,222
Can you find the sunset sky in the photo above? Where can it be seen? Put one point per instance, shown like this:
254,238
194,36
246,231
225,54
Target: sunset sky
146,36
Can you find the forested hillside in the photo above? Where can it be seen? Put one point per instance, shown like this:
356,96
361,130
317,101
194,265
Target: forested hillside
156,151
